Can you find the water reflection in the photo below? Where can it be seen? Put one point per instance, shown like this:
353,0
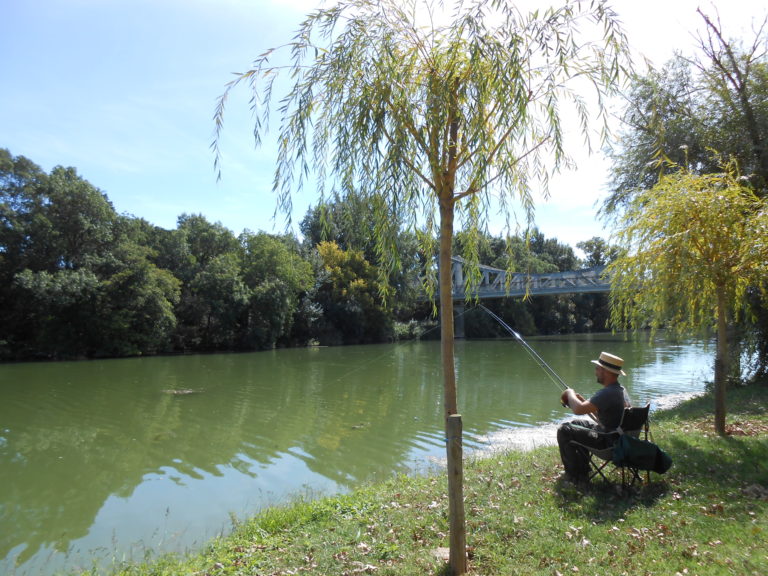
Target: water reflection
100,455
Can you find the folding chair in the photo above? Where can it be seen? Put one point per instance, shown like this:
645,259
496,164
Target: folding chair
634,422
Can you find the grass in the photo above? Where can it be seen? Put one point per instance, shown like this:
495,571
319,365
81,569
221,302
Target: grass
707,515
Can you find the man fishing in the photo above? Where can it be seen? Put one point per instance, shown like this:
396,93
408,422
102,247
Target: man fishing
605,408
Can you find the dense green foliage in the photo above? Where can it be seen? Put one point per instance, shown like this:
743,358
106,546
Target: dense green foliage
708,515
78,280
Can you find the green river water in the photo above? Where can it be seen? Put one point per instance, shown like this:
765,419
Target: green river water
109,460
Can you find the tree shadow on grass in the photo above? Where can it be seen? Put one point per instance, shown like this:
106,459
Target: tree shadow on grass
701,466
742,401
606,501
712,462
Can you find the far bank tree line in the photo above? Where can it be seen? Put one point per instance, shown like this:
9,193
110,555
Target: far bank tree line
79,280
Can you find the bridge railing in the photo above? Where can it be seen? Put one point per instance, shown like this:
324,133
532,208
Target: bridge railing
493,282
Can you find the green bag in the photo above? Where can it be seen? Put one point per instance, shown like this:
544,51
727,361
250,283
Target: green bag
641,454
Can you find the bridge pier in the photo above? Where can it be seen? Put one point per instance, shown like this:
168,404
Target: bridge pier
458,307
458,321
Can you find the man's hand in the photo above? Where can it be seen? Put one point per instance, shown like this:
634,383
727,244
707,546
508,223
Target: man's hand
568,393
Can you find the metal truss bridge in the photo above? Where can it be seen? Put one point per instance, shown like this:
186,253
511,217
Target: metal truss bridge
494,284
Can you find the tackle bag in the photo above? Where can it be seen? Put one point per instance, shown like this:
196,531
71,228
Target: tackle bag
641,454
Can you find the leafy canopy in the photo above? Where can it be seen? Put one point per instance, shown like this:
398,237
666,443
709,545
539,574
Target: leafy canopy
410,108
687,238
674,116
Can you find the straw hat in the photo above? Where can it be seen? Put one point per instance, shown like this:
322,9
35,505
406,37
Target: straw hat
610,362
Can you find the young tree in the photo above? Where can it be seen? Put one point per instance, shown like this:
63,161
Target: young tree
434,121
694,245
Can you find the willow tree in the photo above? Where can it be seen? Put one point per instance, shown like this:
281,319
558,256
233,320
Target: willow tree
434,117
694,245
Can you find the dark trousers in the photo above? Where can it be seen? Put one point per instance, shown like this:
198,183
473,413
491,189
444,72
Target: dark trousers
576,459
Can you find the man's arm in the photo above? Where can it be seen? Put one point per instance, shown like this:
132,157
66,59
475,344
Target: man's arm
577,403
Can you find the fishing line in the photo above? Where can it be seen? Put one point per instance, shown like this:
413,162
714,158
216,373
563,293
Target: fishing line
539,360
546,367
398,343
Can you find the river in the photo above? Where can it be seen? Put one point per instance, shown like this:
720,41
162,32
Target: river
111,460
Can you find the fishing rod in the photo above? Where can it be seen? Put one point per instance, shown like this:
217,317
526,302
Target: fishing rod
539,360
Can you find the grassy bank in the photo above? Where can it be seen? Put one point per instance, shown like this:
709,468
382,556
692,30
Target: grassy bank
707,515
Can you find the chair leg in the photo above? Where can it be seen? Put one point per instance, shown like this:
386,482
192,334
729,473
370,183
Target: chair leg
597,470
634,476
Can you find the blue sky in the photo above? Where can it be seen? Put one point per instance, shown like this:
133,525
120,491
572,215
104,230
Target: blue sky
124,91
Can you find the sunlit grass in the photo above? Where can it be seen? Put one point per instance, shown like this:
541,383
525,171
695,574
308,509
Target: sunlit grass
707,515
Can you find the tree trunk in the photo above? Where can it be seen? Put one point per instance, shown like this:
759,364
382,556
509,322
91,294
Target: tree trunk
735,343
721,362
453,428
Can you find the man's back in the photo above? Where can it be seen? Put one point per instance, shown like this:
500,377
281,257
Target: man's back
610,402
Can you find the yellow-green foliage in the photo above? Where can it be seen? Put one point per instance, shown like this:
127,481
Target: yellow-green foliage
349,273
686,239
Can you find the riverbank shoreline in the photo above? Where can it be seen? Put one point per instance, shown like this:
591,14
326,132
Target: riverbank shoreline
530,438
695,519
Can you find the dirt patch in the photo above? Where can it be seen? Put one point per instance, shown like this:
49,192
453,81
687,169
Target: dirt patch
756,491
746,428
737,428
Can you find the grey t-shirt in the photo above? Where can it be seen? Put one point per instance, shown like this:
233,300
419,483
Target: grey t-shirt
610,401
